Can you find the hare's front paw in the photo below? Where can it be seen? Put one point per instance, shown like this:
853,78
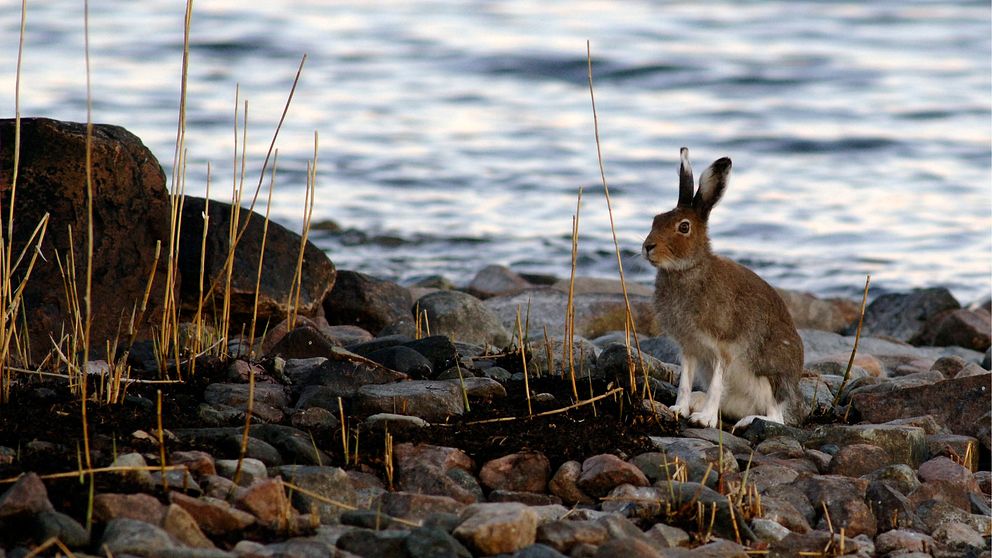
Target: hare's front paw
703,418
681,410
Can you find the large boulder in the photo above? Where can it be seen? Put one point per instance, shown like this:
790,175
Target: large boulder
904,316
130,215
282,249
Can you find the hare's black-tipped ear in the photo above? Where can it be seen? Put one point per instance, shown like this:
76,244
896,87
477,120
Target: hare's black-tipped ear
686,182
712,185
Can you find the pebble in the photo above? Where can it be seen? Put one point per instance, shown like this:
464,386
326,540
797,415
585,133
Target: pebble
602,473
519,472
495,528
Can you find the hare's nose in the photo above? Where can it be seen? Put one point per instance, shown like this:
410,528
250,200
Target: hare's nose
648,246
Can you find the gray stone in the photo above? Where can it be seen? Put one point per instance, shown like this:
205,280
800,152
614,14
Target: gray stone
140,507
48,524
481,388
315,419
440,350
667,536
529,498
900,476
613,363
434,543
718,437
768,530
784,508
551,358
428,399
855,460
496,280
463,317
366,301
698,455
767,475
663,348
594,313
130,536
904,316
538,551
596,285
252,470
497,528
331,484
963,327
395,423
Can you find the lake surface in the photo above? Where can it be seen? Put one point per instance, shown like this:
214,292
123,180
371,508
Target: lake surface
457,134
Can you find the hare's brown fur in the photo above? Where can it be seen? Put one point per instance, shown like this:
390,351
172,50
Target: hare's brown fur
728,321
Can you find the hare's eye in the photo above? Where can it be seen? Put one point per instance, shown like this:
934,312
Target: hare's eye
684,226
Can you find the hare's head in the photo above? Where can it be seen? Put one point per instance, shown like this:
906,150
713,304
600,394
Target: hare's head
678,238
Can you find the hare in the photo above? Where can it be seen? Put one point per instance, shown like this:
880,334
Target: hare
734,329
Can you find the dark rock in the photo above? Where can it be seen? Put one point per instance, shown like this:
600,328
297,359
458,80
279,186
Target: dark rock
480,388
953,403
128,188
227,442
963,328
964,449
344,373
761,429
282,248
844,500
49,524
368,302
903,542
698,456
294,445
435,470
496,280
562,535
236,395
892,509
129,536
782,511
405,360
438,349
434,543
612,363
315,419
368,519
904,316
521,472
181,525
365,348
629,548
302,342
463,317
901,477
366,542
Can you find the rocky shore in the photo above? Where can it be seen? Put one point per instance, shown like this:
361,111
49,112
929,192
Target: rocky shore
410,420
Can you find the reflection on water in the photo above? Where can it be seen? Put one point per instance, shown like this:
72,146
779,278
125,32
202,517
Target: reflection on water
453,135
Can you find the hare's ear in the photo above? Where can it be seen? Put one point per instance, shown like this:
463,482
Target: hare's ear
686,182
712,185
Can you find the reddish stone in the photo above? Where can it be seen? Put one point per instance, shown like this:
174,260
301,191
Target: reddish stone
518,472
602,473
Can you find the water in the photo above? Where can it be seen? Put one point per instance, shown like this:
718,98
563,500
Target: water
457,134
